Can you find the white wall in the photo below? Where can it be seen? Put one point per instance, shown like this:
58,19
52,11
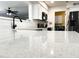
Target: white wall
26,24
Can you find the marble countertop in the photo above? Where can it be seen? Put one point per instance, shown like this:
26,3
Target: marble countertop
30,28
40,44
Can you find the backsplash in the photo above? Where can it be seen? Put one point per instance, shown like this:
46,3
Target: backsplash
26,24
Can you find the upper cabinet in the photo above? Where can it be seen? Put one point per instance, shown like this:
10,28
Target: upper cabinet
37,10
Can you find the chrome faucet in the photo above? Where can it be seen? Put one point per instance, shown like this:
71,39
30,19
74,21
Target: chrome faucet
14,25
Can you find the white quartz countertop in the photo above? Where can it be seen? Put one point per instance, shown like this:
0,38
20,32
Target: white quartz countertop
40,44
30,28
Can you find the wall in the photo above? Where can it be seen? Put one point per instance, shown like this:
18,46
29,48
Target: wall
26,24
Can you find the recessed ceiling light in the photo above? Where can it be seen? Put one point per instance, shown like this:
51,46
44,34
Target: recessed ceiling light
51,1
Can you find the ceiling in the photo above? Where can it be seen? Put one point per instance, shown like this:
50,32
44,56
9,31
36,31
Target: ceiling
59,3
56,3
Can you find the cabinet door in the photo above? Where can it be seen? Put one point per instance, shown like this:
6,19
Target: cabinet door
41,9
35,10
40,12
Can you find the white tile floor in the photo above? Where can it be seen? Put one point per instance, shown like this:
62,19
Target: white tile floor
38,44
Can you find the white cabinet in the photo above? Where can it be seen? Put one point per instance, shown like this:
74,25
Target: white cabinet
37,11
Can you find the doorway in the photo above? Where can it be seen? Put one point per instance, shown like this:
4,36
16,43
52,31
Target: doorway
60,21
